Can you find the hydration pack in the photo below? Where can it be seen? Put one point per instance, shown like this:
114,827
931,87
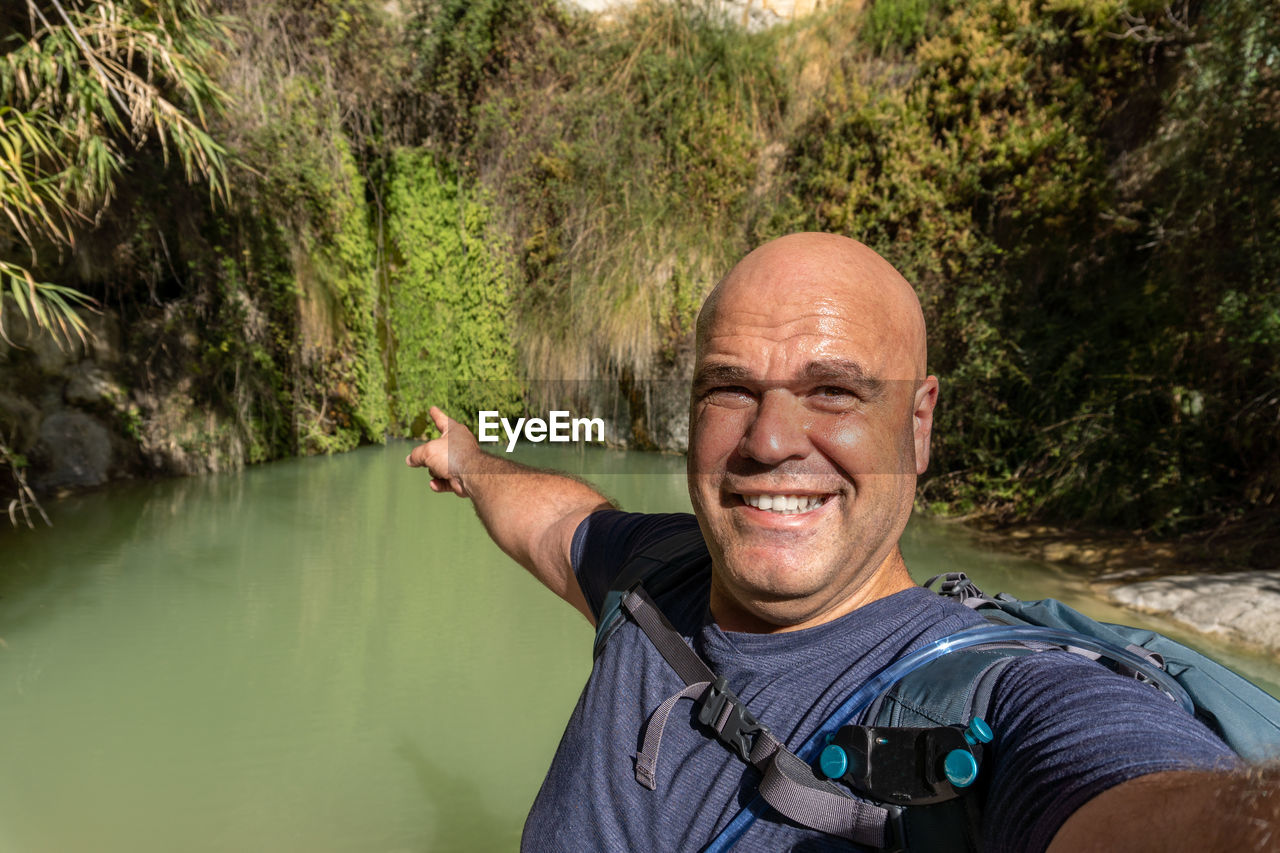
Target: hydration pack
1246,717
892,768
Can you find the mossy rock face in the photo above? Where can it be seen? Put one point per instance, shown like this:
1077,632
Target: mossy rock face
448,297
19,421
62,406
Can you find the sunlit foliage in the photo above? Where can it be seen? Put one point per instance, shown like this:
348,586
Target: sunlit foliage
82,84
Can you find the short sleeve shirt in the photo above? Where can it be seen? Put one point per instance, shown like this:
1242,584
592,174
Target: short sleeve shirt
1066,729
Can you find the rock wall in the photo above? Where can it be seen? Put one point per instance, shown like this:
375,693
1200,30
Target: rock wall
121,404
650,413
752,14
63,407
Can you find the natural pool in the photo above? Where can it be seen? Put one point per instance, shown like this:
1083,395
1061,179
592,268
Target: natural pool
315,655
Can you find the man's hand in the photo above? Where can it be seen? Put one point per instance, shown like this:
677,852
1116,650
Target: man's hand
446,456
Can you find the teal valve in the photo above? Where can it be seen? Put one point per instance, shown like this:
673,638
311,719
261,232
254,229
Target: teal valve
960,765
978,732
833,761
961,768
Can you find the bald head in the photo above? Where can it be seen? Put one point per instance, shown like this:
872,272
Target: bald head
829,275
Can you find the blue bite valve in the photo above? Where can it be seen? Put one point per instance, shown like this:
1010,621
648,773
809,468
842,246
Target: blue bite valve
978,732
833,762
961,768
960,765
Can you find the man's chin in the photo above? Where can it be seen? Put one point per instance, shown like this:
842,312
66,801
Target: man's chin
765,610
764,580
785,559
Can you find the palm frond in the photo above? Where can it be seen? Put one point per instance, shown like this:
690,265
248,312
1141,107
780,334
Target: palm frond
88,76
52,307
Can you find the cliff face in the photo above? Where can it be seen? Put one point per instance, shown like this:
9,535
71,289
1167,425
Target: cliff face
493,199
752,14
125,403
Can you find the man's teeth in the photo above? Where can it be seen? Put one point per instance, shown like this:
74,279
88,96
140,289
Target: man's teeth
785,504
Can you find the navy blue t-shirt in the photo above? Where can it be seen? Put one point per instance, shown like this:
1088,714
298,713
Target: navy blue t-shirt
1066,729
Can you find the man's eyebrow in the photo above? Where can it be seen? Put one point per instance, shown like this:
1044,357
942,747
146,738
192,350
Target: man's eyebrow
720,374
837,371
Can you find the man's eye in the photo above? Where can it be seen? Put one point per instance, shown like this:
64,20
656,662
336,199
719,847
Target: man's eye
834,398
834,392
728,395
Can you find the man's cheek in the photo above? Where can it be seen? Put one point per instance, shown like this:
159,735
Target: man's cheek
713,438
842,438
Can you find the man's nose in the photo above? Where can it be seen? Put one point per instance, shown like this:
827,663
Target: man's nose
778,430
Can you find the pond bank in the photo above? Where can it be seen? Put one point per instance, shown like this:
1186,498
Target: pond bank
1225,584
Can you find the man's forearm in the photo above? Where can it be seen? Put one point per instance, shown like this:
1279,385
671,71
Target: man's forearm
1234,811
532,514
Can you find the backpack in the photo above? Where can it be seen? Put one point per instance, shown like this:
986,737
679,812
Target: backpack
1246,717
950,682
914,712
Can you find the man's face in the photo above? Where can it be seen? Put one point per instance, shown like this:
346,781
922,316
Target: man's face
804,434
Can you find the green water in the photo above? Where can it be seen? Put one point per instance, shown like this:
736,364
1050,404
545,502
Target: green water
314,655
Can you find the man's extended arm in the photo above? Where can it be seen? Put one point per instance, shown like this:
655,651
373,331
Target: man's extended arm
1180,811
531,514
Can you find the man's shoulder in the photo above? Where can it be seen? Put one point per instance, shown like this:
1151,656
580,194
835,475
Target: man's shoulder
1068,729
606,540
613,535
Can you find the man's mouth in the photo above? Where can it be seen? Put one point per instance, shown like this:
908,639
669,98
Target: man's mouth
785,504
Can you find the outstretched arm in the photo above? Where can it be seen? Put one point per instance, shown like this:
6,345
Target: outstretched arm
1172,812
531,514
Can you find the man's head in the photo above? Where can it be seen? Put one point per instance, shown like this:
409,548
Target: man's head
809,392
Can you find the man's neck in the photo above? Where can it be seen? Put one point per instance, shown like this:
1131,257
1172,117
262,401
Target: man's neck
759,618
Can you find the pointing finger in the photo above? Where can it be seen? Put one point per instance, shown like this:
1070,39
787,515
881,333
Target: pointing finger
440,419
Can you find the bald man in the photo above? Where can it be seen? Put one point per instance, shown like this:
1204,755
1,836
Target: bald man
810,419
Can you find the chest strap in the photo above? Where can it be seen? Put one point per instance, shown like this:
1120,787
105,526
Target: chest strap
789,785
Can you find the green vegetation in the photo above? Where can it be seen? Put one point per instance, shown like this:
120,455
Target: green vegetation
629,162
79,85
467,200
448,298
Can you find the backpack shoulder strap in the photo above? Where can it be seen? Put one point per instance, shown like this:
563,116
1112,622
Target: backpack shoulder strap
788,784
661,567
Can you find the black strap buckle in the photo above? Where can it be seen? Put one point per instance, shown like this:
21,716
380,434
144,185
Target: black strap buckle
740,729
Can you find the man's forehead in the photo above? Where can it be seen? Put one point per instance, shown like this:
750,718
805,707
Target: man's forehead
822,286
796,338
714,370
798,332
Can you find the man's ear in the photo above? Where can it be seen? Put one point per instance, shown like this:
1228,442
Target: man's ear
922,420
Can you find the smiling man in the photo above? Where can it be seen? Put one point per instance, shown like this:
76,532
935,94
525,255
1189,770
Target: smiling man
810,419
810,384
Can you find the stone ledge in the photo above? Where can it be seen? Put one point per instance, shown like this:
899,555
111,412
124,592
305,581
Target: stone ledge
1240,606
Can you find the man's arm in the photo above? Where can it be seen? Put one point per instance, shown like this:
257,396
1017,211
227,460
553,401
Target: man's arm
1205,812
531,514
